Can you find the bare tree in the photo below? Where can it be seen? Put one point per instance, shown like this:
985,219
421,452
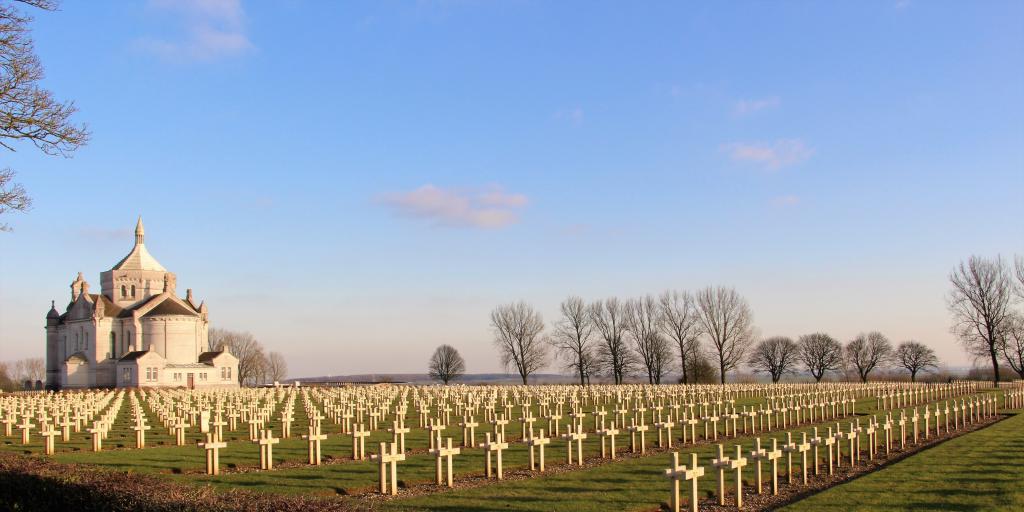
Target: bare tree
517,334
7,382
1019,274
245,347
775,356
727,321
572,335
27,111
980,304
916,357
446,364
277,367
681,324
820,353
643,323
612,353
18,372
591,364
35,369
1012,343
867,352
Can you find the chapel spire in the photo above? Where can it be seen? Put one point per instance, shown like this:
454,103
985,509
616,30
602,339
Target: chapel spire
140,232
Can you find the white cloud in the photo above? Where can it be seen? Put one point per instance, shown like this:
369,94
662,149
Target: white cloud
744,107
212,29
489,209
775,155
785,201
573,115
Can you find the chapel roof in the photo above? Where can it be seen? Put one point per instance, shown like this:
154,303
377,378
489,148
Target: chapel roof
131,356
139,258
77,356
110,310
208,357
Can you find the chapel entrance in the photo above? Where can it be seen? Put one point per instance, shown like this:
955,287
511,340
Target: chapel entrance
191,381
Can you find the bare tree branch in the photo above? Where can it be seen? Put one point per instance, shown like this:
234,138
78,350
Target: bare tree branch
916,357
517,334
727,322
681,324
572,335
868,352
980,304
613,355
245,347
820,353
643,323
27,111
1012,343
775,356
446,364
277,367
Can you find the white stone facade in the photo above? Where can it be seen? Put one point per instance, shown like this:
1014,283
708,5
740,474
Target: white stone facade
135,333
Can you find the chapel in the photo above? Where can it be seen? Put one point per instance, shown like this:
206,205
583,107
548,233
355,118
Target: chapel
136,332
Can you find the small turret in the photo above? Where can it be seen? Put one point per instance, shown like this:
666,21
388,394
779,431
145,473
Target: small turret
76,287
52,317
140,232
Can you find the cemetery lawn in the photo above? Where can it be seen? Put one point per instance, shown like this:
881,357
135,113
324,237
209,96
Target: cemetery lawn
978,471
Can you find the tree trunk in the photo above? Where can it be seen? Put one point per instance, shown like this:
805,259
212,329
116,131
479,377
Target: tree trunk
683,366
995,366
721,370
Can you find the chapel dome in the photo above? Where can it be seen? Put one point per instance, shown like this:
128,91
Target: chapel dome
139,258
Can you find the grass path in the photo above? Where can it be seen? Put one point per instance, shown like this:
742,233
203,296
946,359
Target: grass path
982,471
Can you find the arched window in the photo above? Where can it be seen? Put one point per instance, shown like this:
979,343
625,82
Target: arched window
124,291
133,291
78,341
113,345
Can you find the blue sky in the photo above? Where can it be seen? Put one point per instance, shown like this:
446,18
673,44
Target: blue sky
356,183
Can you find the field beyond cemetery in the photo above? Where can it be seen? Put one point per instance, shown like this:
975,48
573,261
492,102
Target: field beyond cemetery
633,481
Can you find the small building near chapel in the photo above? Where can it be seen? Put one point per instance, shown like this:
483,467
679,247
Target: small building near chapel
135,333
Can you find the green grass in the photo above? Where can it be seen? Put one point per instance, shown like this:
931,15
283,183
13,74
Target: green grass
981,471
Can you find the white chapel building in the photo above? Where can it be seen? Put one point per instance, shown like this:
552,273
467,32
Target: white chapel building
135,333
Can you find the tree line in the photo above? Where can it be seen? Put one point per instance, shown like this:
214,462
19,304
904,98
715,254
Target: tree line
256,366
701,335
14,374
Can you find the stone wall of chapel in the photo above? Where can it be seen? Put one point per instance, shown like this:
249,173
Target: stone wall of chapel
173,336
77,375
147,284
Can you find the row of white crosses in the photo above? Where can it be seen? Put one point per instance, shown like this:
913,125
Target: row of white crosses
668,407
966,411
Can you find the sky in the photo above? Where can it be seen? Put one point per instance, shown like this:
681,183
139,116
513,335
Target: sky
356,183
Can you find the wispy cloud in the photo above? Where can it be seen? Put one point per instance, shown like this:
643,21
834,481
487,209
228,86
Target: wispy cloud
100,234
212,29
775,155
572,115
785,201
488,209
745,107
901,4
